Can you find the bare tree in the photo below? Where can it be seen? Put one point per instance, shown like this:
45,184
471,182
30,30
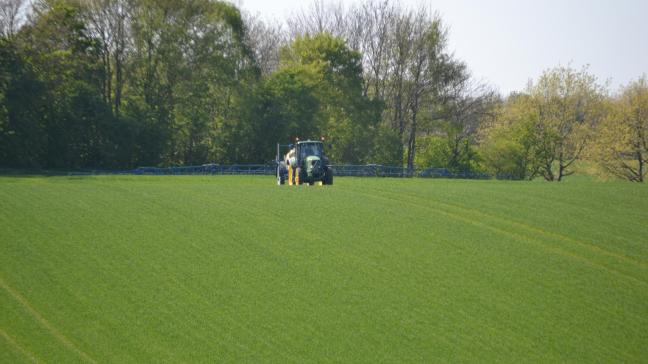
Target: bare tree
319,17
467,104
425,70
10,17
109,21
265,40
404,56
378,18
399,54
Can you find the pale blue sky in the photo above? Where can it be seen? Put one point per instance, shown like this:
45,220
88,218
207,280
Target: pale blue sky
506,42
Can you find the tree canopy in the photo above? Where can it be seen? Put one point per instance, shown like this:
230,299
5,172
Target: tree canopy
124,83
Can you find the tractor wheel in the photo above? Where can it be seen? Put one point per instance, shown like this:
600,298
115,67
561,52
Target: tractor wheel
298,176
328,177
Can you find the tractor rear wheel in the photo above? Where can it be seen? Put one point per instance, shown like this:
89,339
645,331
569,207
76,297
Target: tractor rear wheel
328,177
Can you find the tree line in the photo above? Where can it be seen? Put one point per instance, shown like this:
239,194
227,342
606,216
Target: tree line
124,83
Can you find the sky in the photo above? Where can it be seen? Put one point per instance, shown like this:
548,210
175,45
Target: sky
506,43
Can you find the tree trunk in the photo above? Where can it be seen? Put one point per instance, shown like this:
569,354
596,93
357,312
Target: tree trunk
548,173
561,164
119,83
119,67
398,110
107,76
411,143
148,92
641,166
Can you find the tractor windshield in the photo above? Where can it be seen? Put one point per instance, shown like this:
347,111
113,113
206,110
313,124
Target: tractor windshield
310,149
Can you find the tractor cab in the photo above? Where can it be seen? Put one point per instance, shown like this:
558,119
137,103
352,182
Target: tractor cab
310,149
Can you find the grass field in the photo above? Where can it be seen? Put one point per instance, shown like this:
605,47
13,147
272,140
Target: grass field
237,269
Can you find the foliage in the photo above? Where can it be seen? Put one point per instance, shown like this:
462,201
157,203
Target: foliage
569,104
545,130
432,152
191,94
510,146
56,117
317,91
387,148
621,144
124,83
446,152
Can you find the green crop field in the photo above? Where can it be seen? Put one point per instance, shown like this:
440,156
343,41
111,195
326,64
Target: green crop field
237,269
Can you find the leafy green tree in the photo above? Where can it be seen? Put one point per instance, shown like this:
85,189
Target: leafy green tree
191,75
22,103
432,152
335,107
108,21
387,148
509,145
621,144
569,106
56,117
219,74
120,83
448,152
408,69
449,135
545,130
290,105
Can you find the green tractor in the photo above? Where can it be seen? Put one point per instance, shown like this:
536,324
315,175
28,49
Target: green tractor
305,163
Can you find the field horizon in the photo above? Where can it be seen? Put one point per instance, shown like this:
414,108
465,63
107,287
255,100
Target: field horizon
237,269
